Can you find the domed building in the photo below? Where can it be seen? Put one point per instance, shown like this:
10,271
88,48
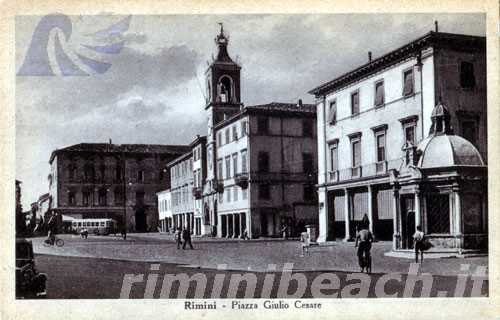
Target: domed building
441,186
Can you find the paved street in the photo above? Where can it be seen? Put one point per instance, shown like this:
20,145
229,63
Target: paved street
244,255
96,267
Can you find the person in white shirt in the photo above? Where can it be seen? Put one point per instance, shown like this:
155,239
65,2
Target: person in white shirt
418,239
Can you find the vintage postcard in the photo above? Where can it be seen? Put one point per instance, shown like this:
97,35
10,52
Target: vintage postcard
225,164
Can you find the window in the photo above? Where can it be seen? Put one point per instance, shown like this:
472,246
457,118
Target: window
102,169
235,193
228,167
228,136
219,169
118,173
309,193
332,112
102,197
379,93
118,196
86,198
307,128
380,138
438,213
264,191
139,198
469,131
88,172
244,128
235,164
71,171
244,194
408,83
307,163
221,197
355,103
219,138
263,160
467,79
410,134
140,176
225,89
228,194
262,125
235,133
356,153
334,161
71,198
243,161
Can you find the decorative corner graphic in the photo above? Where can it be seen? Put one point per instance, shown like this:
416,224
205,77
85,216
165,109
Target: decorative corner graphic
38,63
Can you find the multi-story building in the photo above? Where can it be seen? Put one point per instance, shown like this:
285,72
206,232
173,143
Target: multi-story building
261,160
372,122
181,188
99,180
165,210
201,220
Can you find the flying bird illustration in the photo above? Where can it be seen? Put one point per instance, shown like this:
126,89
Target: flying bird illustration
38,63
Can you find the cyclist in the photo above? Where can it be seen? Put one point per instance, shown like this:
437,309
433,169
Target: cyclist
365,238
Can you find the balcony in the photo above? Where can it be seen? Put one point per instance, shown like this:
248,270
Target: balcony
333,176
197,193
381,167
356,172
241,180
218,186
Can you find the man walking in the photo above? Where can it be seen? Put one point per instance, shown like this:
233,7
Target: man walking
365,239
186,236
177,236
418,239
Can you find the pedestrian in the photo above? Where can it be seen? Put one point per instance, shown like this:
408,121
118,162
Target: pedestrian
124,232
364,238
419,244
177,236
284,231
186,236
245,234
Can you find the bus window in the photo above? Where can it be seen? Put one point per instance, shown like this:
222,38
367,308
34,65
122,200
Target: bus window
103,224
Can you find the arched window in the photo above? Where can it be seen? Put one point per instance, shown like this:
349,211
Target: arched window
225,89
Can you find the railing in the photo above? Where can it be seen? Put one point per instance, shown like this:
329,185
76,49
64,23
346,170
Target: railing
197,193
241,180
356,172
367,170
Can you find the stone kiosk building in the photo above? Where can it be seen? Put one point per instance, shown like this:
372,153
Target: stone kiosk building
442,187
369,118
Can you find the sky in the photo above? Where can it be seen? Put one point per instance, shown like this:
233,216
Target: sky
153,91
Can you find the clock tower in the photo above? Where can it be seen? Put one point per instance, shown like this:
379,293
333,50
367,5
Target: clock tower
223,100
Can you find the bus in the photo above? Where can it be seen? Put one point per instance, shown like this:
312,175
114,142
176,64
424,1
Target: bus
95,226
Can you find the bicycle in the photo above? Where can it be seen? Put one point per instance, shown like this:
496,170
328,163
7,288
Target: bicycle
56,241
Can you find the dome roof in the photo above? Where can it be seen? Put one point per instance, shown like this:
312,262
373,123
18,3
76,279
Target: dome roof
447,150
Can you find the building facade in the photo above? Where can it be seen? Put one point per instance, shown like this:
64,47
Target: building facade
181,188
165,223
261,160
90,180
370,119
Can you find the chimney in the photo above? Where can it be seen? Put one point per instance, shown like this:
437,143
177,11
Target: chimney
110,141
369,56
436,26
299,104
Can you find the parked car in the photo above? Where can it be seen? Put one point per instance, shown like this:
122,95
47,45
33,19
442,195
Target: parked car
30,284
